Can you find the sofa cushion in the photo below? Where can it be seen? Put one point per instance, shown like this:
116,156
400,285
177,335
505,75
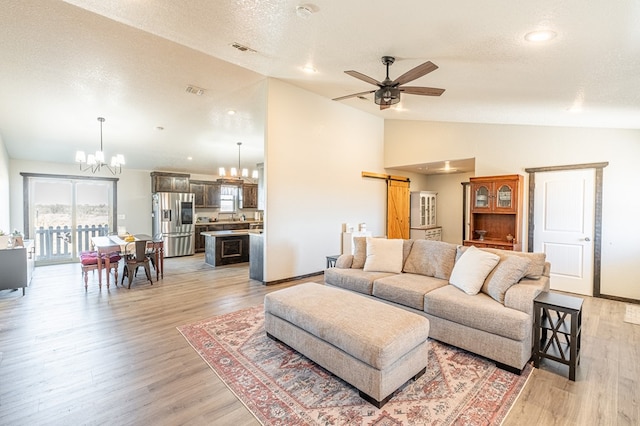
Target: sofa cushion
384,255
535,269
431,258
406,289
472,269
478,311
353,279
359,252
508,272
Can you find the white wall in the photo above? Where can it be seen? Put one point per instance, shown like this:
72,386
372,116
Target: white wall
506,149
315,152
5,224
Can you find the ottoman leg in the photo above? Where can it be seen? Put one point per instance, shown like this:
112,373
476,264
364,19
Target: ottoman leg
379,404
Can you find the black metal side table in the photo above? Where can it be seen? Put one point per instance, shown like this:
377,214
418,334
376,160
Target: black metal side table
331,260
558,329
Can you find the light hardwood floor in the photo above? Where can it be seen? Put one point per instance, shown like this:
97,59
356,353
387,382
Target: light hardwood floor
115,357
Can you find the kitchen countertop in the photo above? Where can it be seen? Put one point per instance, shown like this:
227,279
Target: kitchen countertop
232,232
227,222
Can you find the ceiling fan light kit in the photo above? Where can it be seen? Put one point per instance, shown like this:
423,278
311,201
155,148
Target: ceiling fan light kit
389,90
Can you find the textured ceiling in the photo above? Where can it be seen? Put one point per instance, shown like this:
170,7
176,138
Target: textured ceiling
64,64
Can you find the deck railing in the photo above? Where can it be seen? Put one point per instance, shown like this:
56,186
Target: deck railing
56,243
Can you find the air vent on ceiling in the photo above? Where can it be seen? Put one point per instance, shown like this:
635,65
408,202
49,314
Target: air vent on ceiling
241,48
194,90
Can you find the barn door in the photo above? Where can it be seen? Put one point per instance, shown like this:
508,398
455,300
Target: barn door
398,209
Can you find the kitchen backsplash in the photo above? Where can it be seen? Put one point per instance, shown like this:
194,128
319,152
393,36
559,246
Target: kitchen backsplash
214,214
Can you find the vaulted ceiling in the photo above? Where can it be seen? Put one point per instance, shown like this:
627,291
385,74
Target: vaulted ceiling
66,63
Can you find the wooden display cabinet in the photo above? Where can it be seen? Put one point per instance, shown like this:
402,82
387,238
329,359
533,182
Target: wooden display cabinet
496,207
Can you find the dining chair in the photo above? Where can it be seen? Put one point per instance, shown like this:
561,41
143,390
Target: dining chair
135,256
89,262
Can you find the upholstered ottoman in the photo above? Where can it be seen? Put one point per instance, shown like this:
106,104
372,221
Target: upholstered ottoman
371,345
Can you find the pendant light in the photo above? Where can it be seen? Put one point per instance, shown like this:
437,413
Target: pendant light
95,162
238,172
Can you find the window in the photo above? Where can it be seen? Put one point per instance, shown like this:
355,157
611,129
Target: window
62,213
228,195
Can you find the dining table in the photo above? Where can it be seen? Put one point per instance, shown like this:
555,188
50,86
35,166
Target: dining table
113,243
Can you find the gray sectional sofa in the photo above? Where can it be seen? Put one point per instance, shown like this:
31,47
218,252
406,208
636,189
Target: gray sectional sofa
496,322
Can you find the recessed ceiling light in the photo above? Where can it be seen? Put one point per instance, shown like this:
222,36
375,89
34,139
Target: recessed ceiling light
189,158
309,69
231,112
540,36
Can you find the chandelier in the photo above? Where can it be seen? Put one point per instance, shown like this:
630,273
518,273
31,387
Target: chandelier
238,172
95,162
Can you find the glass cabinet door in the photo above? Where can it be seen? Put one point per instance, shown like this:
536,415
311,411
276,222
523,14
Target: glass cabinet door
482,197
504,197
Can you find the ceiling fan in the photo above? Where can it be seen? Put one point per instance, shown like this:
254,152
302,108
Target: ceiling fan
389,91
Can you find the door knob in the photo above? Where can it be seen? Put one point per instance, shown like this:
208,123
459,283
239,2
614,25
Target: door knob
587,239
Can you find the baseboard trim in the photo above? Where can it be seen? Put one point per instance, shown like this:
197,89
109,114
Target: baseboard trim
299,277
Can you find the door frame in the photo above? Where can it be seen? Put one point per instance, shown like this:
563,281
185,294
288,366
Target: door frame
597,220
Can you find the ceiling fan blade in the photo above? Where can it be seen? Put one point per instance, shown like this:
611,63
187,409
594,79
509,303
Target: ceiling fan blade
427,91
416,72
353,95
384,106
363,77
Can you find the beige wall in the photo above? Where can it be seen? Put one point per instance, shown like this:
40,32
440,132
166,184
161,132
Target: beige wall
315,152
505,149
5,223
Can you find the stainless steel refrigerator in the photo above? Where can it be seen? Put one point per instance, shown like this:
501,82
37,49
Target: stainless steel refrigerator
173,222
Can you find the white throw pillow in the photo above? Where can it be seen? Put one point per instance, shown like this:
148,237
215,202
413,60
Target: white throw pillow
384,255
472,269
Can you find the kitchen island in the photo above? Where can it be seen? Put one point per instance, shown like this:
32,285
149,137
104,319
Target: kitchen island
227,247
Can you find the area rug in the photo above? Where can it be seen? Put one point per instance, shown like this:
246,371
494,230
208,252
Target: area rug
281,387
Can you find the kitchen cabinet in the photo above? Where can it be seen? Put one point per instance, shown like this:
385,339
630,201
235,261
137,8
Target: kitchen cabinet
207,194
423,208
249,198
17,266
496,211
200,244
169,182
226,249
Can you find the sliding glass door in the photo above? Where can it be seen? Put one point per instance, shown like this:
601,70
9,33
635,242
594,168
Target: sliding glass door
65,212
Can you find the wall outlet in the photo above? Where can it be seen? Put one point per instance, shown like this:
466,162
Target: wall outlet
122,217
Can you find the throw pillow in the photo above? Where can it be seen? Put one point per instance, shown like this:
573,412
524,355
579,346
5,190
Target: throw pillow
536,266
431,258
509,271
472,269
383,255
359,252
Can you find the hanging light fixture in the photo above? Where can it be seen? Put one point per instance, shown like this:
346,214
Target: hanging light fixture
95,162
238,172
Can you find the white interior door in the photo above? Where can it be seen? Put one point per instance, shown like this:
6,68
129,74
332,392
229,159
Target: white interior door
564,225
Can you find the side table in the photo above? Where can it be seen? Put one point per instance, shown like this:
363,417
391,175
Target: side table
558,329
331,260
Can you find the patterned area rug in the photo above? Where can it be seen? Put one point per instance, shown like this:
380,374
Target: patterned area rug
281,387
